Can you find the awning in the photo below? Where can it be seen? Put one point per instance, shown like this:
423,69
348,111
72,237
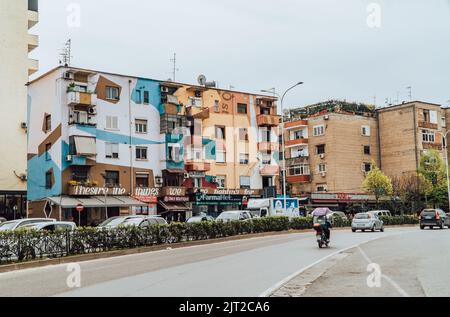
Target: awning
175,171
85,145
174,207
95,202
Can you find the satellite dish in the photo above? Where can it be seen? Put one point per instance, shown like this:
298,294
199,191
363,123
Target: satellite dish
201,80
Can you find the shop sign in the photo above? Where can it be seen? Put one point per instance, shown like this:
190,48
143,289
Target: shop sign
342,196
223,199
141,191
197,174
97,191
176,199
242,192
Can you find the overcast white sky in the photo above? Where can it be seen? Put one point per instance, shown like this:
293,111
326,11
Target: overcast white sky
259,44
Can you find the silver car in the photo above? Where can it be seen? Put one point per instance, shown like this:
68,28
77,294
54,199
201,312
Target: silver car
367,221
16,224
198,219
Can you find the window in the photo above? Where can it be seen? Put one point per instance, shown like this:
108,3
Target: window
265,111
49,180
320,149
245,182
243,158
433,117
266,159
142,180
112,123
138,96
220,132
195,154
243,134
299,170
112,150
146,97
242,108
320,188
221,181
426,115
197,182
141,153
319,130
298,135
112,178
366,149
428,136
365,130
141,126
48,146
221,156
79,174
266,135
321,168
174,152
216,106
366,167
80,117
443,122
48,123
112,93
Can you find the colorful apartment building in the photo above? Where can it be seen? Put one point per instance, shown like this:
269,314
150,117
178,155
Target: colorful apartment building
118,144
17,17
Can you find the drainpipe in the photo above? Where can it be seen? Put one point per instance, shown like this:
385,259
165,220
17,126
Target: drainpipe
131,144
380,162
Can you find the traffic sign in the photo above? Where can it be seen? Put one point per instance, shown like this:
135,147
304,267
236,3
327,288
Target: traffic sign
80,207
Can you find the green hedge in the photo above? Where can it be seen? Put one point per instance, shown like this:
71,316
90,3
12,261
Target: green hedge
25,245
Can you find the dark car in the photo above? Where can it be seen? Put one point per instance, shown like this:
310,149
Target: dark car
434,218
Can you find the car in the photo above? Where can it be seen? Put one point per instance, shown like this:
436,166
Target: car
2,220
197,219
16,224
367,221
114,222
234,215
144,221
338,214
52,226
434,218
381,213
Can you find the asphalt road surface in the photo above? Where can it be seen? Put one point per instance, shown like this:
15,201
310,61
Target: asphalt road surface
243,268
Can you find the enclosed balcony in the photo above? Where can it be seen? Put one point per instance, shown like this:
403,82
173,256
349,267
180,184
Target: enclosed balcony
197,166
198,112
75,98
33,66
265,120
297,161
268,146
298,179
270,170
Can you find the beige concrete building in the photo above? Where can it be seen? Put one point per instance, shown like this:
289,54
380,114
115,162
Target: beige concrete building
16,18
406,131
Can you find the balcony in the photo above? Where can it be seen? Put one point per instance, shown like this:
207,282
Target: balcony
198,112
428,125
33,66
75,98
295,142
197,166
33,18
79,160
172,109
268,146
296,124
33,42
432,146
270,170
298,179
297,161
268,120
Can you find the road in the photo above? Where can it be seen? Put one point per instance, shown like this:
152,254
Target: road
243,268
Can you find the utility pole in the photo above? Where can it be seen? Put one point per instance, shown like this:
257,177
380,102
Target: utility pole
409,92
175,69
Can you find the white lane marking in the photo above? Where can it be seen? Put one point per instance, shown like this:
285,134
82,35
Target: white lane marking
387,278
273,238
280,284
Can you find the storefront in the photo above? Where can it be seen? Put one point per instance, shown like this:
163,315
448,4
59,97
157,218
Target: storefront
13,204
215,201
173,204
343,201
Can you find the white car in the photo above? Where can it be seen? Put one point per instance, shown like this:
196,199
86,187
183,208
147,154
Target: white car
198,219
16,224
381,213
115,222
367,221
52,226
145,221
235,215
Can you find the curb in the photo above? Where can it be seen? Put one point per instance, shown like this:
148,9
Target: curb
112,254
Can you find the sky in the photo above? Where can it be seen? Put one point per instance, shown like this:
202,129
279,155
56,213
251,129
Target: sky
357,50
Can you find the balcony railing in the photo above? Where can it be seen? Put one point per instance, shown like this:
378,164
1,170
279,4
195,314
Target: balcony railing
298,178
268,146
270,170
197,166
268,120
428,125
297,161
33,66
296,124
296,142
33,42
198,112
432,146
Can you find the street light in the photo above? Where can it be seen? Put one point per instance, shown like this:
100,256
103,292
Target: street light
283,143
446,164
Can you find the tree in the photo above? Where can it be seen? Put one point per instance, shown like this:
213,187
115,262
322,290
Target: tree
377,183
432,167
410,191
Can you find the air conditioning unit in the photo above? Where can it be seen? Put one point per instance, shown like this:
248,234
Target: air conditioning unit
68,76
322,156
158,181
327,117
164,89
69,158
92,110
24,125
186,175
323,174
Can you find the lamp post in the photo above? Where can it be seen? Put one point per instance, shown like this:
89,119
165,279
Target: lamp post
105,189
444,136
283,141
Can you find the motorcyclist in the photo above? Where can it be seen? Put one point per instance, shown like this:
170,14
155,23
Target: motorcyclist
327,226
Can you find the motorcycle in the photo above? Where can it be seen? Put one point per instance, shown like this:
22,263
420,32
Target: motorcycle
321,236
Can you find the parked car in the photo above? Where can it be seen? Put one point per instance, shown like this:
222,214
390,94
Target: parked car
114,222
144,221
16,224
434,218
367,221
52,226
381,213
197,219
338,214
2,220
234,215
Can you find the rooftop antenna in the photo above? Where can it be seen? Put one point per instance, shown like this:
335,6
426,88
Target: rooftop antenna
66,54
175,69
409,92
